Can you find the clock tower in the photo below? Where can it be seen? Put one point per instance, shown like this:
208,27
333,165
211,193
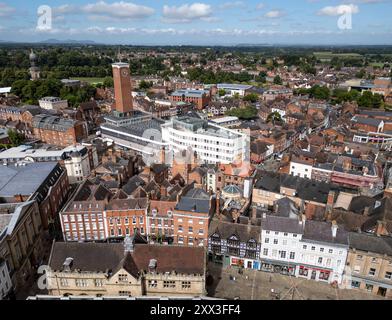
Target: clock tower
122,87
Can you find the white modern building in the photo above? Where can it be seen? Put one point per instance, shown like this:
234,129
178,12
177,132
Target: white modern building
212,143
306,249
53,103
227,122
5,280
78,164
233,89
299,168
79,160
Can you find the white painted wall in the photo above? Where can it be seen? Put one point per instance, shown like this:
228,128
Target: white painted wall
300,169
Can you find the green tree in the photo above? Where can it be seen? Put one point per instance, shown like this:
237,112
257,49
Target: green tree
222,92
243,113
274,117
108,82
252,97
321,93
277,80
15,137
145,85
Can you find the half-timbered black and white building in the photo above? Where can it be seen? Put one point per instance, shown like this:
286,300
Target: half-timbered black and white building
234,244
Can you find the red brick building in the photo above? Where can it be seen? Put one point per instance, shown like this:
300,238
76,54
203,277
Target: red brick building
200,98
58,131
192,216
161,221
122,87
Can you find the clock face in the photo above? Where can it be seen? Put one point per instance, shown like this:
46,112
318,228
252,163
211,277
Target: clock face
124,73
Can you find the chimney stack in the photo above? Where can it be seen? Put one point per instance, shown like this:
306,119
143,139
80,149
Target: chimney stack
163,192
217,204
254,214
129,244
380,228
302,220
152,266
366,211
67,265
334,229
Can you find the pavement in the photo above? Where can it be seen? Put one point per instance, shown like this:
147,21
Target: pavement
259,285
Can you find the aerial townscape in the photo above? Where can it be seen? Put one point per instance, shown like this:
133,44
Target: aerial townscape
248,172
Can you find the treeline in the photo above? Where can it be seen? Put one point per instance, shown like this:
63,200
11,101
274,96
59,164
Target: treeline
31,91
209,77
243,113
61,63
337,96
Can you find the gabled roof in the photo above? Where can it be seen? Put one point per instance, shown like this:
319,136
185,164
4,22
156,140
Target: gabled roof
322,232
133,184
110,257
371,243
195,200
225,230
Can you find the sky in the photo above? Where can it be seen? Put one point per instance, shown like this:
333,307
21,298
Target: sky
200,22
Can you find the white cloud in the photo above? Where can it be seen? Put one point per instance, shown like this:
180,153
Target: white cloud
338,10
65,9
186,13
232,4
6,10
274,14
119,10
260,6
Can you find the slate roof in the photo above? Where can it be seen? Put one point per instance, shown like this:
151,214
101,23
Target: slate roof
102,257
195,200
371,243
382,213
227,229
24,180
281,224
124,204
286,207
366,121
306,189
319,231
358,204
132,184
55,123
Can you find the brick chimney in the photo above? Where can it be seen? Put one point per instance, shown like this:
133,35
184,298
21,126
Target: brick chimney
217,204
329,205
254,214
162,156
163,192
366,211
381,228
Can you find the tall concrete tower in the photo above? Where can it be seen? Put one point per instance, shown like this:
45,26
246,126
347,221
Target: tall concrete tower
34,70
122,87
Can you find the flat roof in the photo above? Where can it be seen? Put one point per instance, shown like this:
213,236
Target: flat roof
23,151
24,179
234,86
225,119
5,90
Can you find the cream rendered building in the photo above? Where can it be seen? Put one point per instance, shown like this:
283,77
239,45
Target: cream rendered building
125,269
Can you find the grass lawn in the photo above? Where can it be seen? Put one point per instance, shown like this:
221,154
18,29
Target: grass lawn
90,80
330,55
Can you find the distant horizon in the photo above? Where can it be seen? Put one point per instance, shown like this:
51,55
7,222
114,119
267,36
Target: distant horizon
261,45
199,22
